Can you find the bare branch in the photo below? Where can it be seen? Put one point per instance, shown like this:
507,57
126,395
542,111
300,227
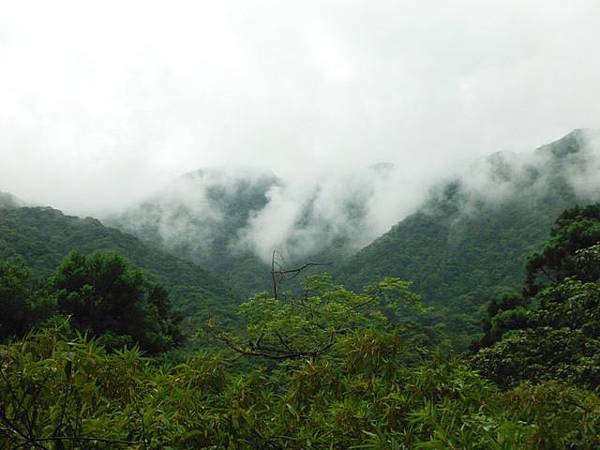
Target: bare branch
274,353
278,273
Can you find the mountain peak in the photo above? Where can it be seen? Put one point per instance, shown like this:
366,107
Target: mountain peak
571,143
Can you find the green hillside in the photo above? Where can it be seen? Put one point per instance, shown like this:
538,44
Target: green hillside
204,216
331,369
470,235
43,236
464,241
198,218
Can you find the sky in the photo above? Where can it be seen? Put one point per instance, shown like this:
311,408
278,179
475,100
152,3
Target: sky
102,103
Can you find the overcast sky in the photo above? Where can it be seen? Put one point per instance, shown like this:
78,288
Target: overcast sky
104,101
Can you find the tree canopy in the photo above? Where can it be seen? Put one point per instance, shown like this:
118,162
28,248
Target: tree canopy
309,324
573,237
15,308
332,367
551,331
105,295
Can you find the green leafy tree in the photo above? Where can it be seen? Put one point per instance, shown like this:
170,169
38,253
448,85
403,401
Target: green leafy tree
506,311
15,306
69,393
551,332
575,234
310,324
104,295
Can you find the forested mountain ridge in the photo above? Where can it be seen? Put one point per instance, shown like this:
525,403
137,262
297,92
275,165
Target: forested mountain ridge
343,372
469,237
330,367
43,236
472,233
215,217
198,217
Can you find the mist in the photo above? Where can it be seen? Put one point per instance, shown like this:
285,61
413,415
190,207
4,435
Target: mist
241,210
103,105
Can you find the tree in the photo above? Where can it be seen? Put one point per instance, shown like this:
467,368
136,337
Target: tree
506,311
106,296
309,325
551,331
575,230
15,307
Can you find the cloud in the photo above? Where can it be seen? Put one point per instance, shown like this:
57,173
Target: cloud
565,168
584,175
103,103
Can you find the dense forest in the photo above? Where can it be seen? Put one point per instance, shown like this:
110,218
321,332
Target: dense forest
310,225
462,245
471,324
44,236
89,360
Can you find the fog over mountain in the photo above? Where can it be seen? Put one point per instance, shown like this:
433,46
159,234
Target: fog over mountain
574,159
239,211
103,105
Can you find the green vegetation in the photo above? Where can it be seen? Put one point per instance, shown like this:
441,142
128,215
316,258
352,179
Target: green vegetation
14,298
310,325
332,368
91,352
103,295
552,331
199,218
44,236
465,247
571,252
70,394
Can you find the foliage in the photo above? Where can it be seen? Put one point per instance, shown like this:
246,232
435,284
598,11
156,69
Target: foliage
375,385
570,250
104,295
505,311
14,299
552,331
352,373
44,236
69,394
455,259
310,324
464,242
461,244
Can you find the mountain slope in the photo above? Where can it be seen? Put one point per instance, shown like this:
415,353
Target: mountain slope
43,236
231,221
199,216
473,235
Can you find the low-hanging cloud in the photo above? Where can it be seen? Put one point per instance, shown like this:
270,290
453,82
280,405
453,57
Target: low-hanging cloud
233,210
348,209
569,166
102,104
244,210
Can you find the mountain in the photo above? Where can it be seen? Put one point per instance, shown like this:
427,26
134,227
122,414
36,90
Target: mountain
199,217
475,234
231,220
43,236
472,233
8,200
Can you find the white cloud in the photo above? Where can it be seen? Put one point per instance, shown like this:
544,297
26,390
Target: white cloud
103,102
